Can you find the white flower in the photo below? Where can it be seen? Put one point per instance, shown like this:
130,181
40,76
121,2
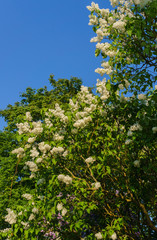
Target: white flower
142,97
31,217
57,150
96,185
154,129
6,230
39,160
27,196
119,25
121,86
58,112
137,163
58,137
48,122
31,139
32,166
19,151
34,153
98,235
101,88
44,147
10,217
37,128
25,224
23,128
59,206
28,116
64,211
35,210
66,179
89,160
114,2
32,175
65,153
114,236
136,127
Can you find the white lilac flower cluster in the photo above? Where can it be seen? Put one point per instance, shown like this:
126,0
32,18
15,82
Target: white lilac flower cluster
37,128
48,122
19,151
28,116
61,208
114,236
96,185
31,217
136,163
81,123
89,160
85,96
27,196
136,127
105,49
32,166
154,129
58,137
73,106
98,235
25,224
34,153
101,88
25,128
58,112
44,147
65,178
6,230
57,150
142,96
31,140
11,216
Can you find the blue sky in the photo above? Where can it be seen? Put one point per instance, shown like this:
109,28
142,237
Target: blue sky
43,37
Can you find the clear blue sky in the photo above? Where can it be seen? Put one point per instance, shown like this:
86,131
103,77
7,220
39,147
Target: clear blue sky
43,37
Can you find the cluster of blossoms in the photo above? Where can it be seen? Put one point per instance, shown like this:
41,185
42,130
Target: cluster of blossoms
11,216
19,151
57,150
44,147
32,166
96,185
89,160
101,88
58,112
62,209
65,178
27,196
81,123
26,128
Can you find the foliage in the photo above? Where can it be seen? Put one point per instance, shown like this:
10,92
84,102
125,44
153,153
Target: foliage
33,101
91,161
